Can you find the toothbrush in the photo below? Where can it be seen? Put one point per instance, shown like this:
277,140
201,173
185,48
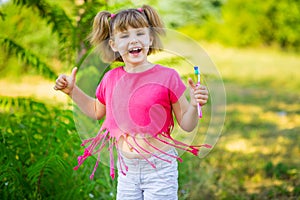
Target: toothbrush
197,72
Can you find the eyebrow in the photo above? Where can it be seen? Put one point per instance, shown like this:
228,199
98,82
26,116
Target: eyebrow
137,30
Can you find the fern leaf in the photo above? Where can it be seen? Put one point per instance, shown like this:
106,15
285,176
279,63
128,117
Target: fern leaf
55,17
28,57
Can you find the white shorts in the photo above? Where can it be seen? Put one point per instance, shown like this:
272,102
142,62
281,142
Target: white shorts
143,182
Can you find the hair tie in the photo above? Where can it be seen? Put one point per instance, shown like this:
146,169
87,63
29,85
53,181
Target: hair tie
140,10
112,15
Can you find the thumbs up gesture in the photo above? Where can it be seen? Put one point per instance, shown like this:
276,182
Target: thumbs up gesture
198,93
66,83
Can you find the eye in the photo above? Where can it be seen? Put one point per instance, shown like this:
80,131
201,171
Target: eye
124,36
141,33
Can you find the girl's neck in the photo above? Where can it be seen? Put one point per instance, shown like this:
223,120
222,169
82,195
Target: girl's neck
138,68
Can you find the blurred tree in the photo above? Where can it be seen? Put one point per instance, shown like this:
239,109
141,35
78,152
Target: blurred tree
186,12
242,23
281,23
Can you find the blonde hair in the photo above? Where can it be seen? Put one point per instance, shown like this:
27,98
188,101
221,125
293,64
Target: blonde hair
106,24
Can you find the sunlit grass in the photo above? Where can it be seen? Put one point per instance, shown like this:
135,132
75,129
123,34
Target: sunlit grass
32,87
257,67
284,118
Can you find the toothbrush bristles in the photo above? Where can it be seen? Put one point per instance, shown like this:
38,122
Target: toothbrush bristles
196,70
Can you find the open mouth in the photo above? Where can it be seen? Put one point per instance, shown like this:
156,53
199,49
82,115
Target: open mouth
135,50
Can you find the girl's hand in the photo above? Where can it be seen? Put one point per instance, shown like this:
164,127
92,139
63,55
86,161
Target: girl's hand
198,93
66,83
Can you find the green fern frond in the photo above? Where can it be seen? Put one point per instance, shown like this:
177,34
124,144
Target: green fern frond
60,23
47,170
2,15
28,57
54,15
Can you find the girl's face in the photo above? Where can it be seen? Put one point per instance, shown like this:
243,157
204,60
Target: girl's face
132,44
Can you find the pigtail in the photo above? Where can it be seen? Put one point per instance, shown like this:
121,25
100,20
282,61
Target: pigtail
100,35
101,28
154,19
156,27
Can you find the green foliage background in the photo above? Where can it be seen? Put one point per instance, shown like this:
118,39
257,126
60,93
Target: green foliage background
39,141
251,22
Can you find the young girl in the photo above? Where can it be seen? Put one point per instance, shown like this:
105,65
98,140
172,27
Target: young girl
138,101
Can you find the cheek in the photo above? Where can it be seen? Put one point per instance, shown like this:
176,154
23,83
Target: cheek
122,47
149,41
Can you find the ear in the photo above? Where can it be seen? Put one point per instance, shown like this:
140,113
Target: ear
112,45
151,41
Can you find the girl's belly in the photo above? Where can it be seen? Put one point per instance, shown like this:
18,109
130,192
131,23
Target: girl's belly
130,147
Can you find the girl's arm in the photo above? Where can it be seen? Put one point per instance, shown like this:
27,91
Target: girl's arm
186,112
88,105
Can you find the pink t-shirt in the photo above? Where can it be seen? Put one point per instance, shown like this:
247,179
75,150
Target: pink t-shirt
139,102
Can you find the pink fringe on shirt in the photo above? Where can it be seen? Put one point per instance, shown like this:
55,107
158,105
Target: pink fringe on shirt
103,138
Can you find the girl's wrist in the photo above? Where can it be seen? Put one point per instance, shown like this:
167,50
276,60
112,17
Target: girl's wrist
70,93
194,105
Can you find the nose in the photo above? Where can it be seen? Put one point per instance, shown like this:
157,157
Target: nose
133,40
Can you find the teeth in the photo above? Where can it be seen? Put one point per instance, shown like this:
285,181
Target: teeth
135,49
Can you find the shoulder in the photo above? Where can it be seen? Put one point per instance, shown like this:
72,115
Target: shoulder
166,70
115,72
169,75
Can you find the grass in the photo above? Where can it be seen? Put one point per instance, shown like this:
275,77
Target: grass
257,155
258,67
